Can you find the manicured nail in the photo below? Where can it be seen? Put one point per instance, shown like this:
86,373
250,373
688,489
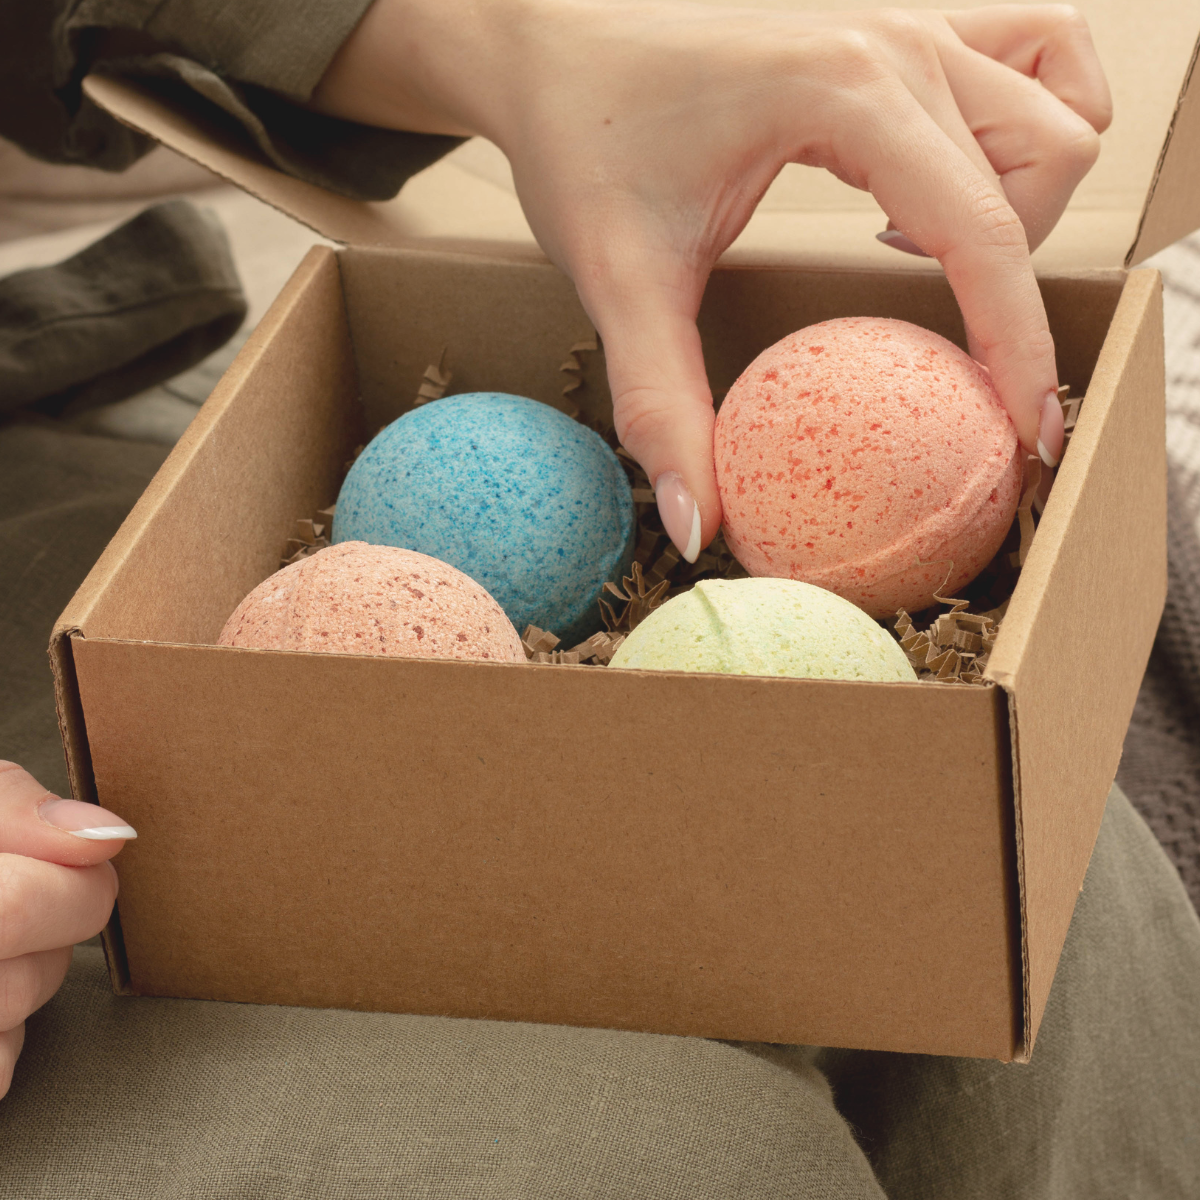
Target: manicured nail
1050,431
897,240
84,820
680,513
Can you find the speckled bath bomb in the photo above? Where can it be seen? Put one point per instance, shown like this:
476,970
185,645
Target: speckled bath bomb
360,599
866,455
528,502
764,627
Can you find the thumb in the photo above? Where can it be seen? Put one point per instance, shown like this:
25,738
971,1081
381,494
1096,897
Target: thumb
37,824
662,404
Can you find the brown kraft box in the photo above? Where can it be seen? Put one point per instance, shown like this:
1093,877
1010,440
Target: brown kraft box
887,866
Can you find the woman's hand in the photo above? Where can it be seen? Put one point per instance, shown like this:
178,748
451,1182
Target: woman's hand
643,135
56,888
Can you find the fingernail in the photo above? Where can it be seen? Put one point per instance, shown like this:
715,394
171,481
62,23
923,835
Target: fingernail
679,512
897,240
1050,430
84,820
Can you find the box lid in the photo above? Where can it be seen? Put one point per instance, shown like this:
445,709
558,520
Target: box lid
1143,194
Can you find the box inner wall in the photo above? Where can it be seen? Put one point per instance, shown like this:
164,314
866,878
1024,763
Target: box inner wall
507,326
367,323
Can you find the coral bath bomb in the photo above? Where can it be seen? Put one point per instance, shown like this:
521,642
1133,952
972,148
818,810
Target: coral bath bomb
866,456
764,627
528,502
360,599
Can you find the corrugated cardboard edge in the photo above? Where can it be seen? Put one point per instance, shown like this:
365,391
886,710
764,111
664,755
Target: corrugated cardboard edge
1172,207
73,733
72,624
1023,1041
1009,655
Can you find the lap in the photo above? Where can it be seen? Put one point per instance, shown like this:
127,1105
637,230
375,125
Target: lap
158,1098
1109,1104
184,1098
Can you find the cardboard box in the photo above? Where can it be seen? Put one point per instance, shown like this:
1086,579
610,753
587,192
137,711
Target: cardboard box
889,866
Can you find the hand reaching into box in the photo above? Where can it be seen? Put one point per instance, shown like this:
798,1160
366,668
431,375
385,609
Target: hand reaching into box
56,888
642,136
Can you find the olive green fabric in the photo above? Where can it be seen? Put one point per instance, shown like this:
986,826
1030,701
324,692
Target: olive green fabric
182,1099
284,45
42,107
149,300
249,65
1109,1105
62,497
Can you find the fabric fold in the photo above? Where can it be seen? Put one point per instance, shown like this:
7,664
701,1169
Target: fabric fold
151,299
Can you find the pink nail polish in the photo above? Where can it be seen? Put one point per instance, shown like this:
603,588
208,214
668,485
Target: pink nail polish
897,240
679,512
87,821
1050,431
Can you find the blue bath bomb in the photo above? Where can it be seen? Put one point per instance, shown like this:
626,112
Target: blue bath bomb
527,502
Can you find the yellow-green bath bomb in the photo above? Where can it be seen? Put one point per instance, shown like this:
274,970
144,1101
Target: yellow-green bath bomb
764,627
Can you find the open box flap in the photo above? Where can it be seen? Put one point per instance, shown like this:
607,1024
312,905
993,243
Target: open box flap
1172,207
452,203
1072,665
1143,193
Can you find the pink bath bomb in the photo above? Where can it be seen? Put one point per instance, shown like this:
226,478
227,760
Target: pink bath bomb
354,598
869,457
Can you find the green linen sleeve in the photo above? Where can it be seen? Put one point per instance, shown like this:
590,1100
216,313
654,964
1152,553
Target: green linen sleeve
255,62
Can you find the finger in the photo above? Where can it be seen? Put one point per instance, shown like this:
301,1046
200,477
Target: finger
11,1041
27,982
1018,135
916,43
1039,148
44,905
662,404
38,824
919,47
1050,43
932,193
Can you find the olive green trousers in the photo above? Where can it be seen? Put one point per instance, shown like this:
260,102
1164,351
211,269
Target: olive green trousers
143,1098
